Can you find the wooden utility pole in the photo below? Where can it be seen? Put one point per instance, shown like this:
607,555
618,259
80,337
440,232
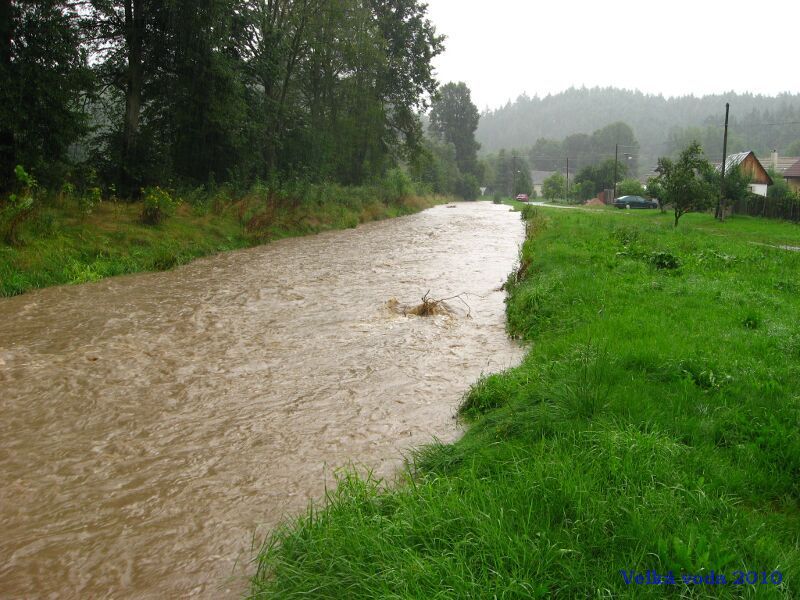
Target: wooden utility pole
568,178
513,176
616,153
720,204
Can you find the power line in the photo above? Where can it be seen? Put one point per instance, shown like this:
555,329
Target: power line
746,124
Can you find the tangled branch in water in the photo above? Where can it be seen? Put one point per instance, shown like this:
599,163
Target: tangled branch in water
430,307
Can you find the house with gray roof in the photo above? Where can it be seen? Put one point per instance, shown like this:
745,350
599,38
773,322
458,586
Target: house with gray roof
748,163
792,176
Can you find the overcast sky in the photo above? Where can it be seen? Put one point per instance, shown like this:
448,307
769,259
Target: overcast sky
502,48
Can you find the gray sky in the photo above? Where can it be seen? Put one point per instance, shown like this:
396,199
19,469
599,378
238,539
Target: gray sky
502,48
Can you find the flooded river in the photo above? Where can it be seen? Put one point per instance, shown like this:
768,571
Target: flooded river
151,426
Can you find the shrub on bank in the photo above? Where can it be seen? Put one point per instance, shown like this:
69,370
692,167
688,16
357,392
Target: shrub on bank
18,207
157,205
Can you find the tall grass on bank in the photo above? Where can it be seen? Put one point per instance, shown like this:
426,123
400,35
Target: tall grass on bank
653,426
73,238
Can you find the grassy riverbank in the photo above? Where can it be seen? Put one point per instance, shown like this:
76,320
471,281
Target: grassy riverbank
653,425
62,243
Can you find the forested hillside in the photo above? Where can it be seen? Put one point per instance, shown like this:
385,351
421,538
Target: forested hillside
661,125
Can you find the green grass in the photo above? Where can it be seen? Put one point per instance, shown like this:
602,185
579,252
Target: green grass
60,245
653,425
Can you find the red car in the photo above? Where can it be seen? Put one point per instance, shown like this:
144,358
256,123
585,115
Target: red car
522,197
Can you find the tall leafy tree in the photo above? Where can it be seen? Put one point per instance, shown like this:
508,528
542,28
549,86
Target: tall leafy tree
594,179
454,118
617,136
205,109
546,155
44,75
555,186
200,90
123,31
280,37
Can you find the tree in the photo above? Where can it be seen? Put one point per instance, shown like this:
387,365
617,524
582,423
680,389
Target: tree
630,187
687,183
545,155
596,178
123,33
780,189
656,192
522,179
554,186
203,91
454,119
435,167
735,187
510,174
617,135
43,75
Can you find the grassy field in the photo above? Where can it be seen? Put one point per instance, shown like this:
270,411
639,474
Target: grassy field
61,244
653,426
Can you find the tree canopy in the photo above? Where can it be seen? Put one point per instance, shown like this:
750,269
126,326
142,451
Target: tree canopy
686,184
150,92
594,179
45,77
454,119
554,187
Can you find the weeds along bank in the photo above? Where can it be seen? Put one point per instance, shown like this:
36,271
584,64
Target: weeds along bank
653,426
53,238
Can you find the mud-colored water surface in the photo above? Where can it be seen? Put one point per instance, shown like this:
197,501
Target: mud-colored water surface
152,425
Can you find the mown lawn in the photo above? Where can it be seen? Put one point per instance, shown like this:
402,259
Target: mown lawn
653,426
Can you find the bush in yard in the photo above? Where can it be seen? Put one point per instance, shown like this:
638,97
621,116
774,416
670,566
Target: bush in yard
630,187
158,205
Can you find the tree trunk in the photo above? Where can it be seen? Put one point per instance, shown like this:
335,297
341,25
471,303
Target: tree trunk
134,30
6,133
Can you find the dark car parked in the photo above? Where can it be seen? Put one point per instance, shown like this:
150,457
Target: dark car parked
634,202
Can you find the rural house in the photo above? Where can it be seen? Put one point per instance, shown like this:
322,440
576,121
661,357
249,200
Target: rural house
792,176
749,163
779,164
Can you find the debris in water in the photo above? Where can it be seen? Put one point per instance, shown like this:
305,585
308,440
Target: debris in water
429,307
451,206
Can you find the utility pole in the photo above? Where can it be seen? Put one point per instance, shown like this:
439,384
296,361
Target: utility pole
616,153
513,175
720,206
568,179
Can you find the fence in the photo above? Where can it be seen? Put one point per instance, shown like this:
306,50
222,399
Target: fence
772,208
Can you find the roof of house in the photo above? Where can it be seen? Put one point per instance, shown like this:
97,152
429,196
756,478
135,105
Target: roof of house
734,160
783,163
793,171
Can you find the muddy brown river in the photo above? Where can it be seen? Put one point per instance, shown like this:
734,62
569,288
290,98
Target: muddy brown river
152,426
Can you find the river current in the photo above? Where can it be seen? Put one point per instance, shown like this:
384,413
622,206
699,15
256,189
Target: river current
153,426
